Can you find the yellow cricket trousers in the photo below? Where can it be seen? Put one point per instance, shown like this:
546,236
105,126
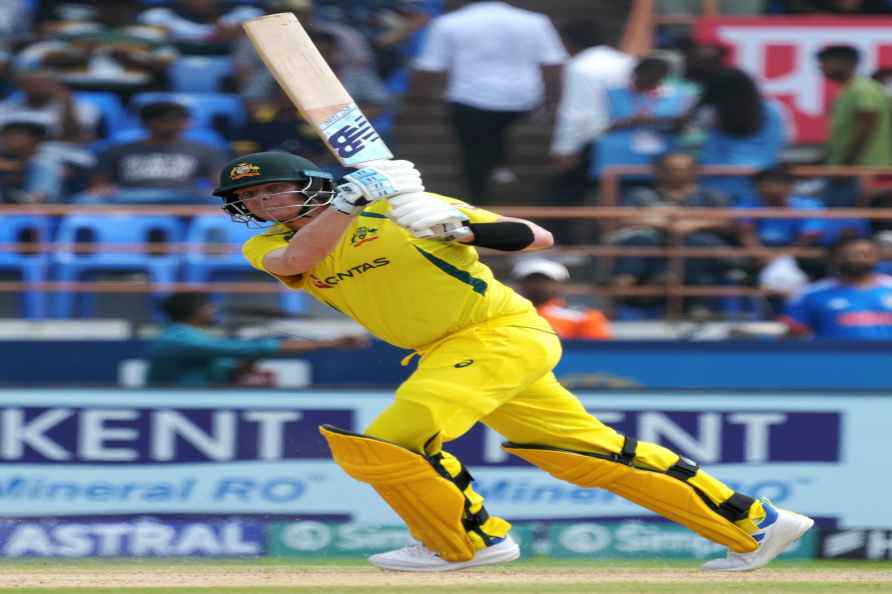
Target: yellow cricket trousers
500,373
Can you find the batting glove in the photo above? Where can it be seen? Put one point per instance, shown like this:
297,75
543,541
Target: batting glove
428,218
377,181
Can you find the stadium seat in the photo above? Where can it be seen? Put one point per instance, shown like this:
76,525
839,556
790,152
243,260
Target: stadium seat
204,230
114,116
105,231
202,266
616,148
207,110
19,229
199,74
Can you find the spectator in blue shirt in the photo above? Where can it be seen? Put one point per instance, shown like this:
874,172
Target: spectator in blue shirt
642,116
855,304
883,240
742,128
774,189
187,354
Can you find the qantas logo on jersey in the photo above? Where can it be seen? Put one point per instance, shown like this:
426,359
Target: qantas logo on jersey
329,282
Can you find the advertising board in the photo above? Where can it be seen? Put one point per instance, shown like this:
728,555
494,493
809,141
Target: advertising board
110,452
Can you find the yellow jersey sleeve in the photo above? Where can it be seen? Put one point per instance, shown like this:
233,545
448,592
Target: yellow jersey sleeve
256,248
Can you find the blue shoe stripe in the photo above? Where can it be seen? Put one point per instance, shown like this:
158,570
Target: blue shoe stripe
758,536
770,515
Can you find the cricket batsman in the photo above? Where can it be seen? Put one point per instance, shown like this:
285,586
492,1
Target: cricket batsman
403,263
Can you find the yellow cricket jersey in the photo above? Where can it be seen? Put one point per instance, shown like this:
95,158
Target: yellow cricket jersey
406,291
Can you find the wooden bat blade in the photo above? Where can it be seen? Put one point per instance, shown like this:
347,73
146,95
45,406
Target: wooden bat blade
302,73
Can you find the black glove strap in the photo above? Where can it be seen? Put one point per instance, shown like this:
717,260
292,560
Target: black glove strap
507,236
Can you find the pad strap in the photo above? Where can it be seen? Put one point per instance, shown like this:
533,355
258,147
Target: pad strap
472,522
462,480
683,470
736,507
627,454
733,509
475,521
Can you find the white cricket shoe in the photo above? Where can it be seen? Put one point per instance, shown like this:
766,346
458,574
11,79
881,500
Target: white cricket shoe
778,530
418,557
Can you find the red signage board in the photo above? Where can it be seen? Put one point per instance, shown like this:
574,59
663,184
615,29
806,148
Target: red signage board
780,53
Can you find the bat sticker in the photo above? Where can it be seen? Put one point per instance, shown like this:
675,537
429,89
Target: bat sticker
352,137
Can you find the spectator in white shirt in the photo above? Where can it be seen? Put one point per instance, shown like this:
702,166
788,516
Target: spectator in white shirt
582,114
502,63
50,104
581,118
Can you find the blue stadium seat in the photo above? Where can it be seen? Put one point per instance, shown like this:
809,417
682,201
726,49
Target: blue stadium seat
105,231
31,267
199,74
114,116
208,110
202,266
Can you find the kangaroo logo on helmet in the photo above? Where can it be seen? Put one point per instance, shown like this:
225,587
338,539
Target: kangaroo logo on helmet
244,170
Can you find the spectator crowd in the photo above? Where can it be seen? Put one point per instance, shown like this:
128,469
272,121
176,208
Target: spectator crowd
140,102
110,102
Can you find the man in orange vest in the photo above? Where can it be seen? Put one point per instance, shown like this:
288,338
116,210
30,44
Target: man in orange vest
540,281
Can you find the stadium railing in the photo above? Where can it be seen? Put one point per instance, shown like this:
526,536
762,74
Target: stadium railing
606,216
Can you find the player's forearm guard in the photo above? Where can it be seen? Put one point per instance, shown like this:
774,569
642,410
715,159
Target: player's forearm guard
507,236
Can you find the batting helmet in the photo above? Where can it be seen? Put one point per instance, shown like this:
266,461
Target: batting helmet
314,185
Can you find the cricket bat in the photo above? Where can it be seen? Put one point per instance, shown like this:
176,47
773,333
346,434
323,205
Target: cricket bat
301,71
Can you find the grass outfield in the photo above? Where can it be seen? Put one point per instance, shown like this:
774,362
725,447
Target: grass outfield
537,576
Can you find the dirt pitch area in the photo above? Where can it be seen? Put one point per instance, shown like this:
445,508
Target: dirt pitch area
514,578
